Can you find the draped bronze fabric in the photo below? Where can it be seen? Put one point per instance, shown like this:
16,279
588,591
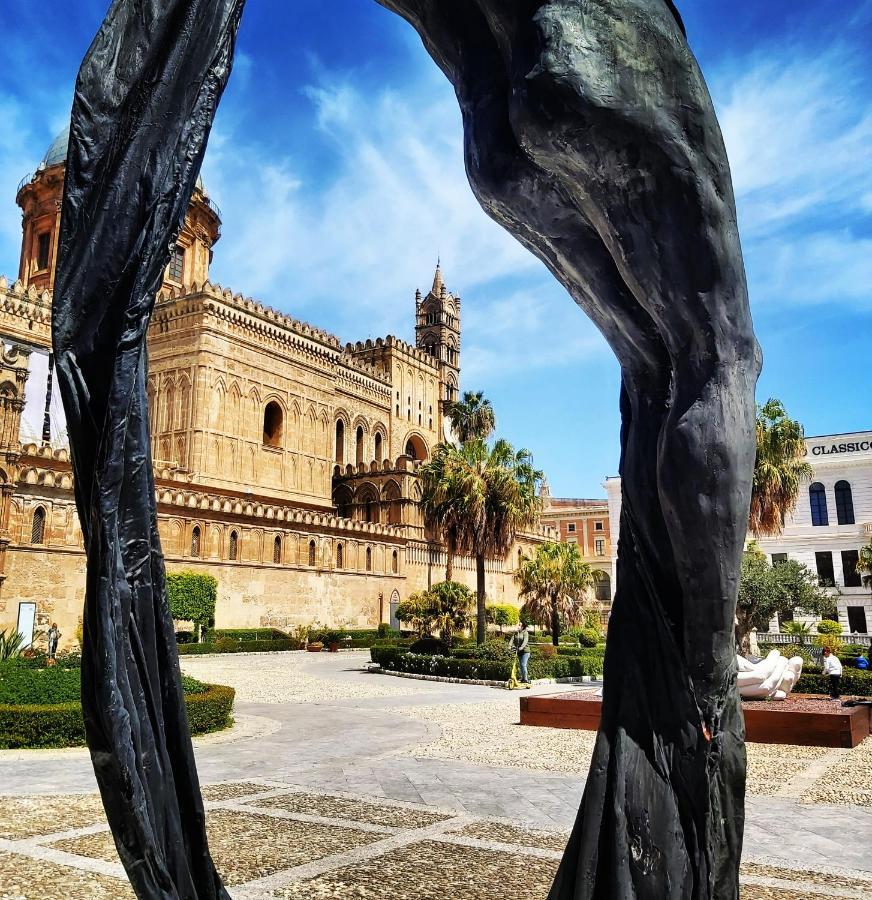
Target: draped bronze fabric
144,103
591,137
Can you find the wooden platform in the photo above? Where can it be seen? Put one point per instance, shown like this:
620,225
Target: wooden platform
804,720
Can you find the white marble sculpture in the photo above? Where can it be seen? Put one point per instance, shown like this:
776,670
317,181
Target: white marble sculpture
772,678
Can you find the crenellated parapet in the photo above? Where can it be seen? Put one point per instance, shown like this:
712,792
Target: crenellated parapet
25,313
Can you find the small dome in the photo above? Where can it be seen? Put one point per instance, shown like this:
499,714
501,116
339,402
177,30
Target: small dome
57,153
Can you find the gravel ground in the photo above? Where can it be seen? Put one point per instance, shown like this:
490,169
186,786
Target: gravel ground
354,810
849,781
280,678
26,817
500,833
23,879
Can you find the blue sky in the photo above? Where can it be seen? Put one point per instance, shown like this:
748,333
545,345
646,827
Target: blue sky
336,159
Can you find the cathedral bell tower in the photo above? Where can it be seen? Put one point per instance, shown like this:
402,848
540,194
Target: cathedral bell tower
437,332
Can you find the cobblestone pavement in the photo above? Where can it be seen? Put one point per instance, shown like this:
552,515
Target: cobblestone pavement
354,785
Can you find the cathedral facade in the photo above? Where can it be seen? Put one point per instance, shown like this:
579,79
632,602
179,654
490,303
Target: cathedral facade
286,463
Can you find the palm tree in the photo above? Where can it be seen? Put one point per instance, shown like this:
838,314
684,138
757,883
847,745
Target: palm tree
472,418
554,583
779,469
480,497
864,563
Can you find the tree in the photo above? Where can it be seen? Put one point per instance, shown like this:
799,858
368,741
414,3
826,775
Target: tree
779,469
451,605
765,591
439,507
554,583
416,612
472,418
503,615
864,564
192,598
486,495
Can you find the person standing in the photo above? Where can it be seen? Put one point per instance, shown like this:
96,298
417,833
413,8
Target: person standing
53,637
521,646
833,668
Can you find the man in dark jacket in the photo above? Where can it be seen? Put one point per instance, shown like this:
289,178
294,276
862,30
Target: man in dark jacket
521,646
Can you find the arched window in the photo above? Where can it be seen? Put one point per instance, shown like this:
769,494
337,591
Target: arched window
37,527
195,541
395,563
312,551
234,545
340,556
844,503
273,421
378,447
817,497
277,549
340,442
358,444
369,559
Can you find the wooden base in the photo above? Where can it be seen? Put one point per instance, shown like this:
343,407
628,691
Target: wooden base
765,722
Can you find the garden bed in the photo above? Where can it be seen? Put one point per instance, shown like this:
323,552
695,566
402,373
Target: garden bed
41,707
806,721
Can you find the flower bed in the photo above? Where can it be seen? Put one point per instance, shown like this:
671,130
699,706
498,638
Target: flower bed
42,708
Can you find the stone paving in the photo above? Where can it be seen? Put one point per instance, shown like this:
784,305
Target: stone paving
354,785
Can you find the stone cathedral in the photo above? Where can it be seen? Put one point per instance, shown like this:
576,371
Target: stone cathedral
286,463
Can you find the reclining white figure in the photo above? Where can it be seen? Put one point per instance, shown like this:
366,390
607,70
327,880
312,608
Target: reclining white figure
771,678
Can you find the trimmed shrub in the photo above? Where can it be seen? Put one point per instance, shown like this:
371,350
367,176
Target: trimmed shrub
210,635
22,684
828,626
226,645
588,637
545,651
497,649
192,597
429,646
855,682
831,642
61,724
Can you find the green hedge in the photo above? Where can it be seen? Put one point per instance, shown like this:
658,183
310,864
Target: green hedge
61,724
227,645
244,634
397,659
855,682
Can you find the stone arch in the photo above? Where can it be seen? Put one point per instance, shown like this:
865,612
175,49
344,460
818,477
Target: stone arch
183,416
367,502
37,525
416,448
392,499
343,500
273,423
233,545
292,439
196,544
234,409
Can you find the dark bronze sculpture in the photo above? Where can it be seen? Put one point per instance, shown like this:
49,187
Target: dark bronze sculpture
591,137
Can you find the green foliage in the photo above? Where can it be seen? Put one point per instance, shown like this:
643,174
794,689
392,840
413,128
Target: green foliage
384,630
589,637
245,634
855,683
478,498
780,468
415,612
192,597
765,591
828,626
11,644
450,607
832,642
504,615
799,630
496,649
554,583
864,564
429,646
227,645
42,708
545,651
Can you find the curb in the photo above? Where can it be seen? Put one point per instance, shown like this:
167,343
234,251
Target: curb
481,682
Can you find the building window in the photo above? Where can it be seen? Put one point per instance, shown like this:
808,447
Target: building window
779,558
378,447
195,541
857,620
359,445
395,563
571,528
844,503
273,421
177,265
312,550
850,575
598,526
340,556
600,546
817,497
340,442
824,563
369,559
43,249
277,550
37,527
234,545
572,540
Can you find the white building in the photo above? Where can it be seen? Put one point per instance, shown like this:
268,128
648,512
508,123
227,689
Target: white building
832,521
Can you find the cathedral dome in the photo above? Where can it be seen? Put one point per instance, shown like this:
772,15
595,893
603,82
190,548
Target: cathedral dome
57,154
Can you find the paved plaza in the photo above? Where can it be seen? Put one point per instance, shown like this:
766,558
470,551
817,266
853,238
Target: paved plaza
339,782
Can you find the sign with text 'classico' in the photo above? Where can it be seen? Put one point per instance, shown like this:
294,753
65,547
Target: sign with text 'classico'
839,445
